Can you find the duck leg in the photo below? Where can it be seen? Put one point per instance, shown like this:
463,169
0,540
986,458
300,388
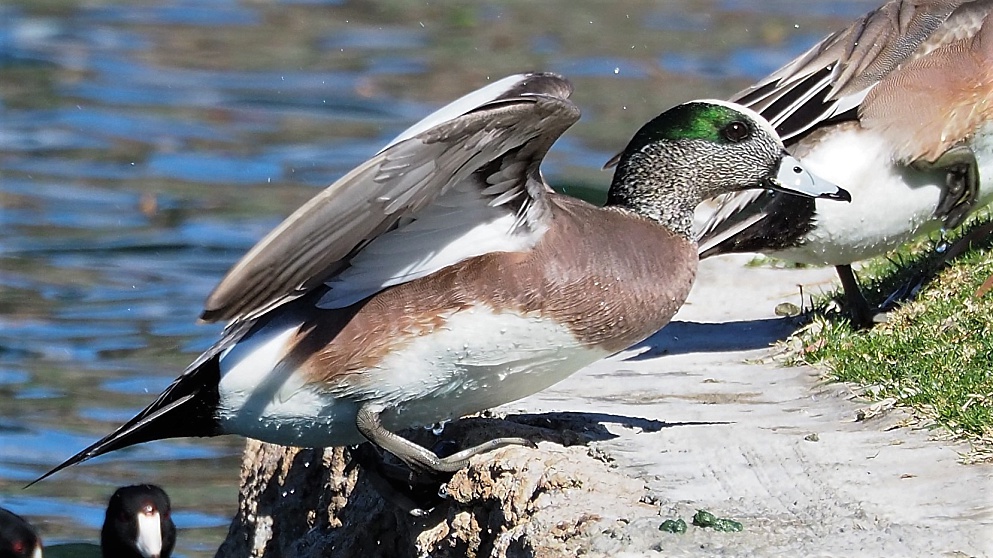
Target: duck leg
961,191
393,483
978,236
862,315
420,459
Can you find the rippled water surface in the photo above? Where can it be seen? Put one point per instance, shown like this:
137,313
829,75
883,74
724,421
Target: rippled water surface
144,146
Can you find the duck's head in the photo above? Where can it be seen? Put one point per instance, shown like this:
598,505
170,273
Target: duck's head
699,150
138,523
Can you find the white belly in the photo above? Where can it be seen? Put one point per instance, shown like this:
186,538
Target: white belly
890,204
262,400
478,360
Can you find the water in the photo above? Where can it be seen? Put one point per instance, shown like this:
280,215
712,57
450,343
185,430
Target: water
144,146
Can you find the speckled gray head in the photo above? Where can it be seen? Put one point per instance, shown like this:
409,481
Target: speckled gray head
702,149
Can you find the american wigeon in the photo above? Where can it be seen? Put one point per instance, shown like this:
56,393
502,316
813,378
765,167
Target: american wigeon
898,109
443,276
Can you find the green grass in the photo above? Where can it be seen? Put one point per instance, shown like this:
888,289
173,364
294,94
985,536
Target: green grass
934,355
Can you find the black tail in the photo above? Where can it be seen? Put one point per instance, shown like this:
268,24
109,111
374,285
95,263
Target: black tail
186,408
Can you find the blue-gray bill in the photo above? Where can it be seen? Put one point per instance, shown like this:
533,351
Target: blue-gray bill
794,178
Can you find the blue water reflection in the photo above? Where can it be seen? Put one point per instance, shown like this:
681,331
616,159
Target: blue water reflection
189,12
144,146
751,63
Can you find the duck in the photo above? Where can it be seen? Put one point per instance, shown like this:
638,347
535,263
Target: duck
443,276
137,524
897,108
18,539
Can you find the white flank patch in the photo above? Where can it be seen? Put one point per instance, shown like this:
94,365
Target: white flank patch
478,360
459,107
261,400
248,363
149,541
459,225
890,205
982,146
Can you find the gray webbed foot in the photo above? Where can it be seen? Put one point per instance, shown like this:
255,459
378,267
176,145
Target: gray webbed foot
419,459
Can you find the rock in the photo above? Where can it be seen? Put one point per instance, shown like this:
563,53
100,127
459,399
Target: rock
557,500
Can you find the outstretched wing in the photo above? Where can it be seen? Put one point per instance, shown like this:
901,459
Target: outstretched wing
477,157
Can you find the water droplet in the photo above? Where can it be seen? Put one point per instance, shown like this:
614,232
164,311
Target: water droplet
617,71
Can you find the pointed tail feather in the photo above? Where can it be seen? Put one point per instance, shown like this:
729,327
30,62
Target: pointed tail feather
186,408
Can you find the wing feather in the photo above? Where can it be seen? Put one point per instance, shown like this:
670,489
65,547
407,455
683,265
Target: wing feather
514,120
847,64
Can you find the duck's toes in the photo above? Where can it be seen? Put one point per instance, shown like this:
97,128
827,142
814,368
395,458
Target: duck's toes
414,494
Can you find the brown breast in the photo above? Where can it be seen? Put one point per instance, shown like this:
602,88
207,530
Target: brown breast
611,278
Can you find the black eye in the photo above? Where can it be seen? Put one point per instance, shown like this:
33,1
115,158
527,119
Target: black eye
736,131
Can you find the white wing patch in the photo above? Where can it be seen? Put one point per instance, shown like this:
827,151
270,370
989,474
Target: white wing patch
462,223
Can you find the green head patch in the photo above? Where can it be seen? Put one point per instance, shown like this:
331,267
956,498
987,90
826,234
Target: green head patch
705,121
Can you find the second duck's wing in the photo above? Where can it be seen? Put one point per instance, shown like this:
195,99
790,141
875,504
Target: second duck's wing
833,77
494,138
